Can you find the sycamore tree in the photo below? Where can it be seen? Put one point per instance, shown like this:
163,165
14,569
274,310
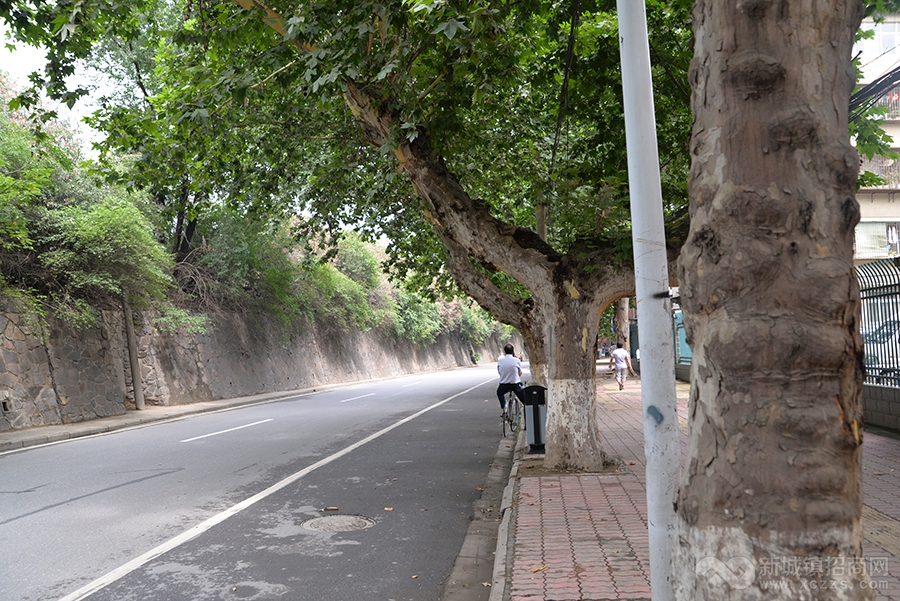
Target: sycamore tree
771,305
450,90
446,126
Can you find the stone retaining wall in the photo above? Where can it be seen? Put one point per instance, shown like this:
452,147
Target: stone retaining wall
27,396
54,374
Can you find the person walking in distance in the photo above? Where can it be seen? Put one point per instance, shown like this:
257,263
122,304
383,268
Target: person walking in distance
622,362
510,369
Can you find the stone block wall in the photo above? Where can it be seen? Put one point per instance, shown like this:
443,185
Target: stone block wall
27,396
64,375
88,368
240,357
881,406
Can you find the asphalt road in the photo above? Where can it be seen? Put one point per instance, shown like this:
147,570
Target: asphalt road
216,506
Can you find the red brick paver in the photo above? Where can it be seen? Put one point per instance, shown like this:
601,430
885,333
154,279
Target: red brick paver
582,537
578,538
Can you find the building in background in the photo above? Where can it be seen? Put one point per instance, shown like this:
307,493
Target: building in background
878,233
877,240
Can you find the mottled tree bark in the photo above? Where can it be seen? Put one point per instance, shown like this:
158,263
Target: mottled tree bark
623,325
771,307
558,323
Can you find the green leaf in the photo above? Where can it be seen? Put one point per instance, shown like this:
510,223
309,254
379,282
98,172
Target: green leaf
449,28
386,70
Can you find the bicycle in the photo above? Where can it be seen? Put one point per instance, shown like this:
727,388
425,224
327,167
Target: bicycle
509,420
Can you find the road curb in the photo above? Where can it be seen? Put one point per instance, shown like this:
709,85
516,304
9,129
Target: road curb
473,568
500,576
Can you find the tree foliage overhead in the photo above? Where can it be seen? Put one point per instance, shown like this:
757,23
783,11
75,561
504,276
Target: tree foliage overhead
69,243
218,108
223,110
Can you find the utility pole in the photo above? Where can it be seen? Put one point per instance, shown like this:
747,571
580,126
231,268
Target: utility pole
135,363
660,407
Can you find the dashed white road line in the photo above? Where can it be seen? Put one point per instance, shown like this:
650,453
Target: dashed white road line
202,527
358,397
224,431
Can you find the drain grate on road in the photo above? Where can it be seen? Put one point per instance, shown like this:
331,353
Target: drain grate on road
338,523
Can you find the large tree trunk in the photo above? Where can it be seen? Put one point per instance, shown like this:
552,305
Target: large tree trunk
572,433
554,328
772,485
559,323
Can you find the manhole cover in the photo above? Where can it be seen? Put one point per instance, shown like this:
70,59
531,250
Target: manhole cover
338,523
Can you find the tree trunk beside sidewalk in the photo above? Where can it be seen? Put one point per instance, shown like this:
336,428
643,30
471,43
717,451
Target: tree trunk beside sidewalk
134,361
569,291
771,306
623,324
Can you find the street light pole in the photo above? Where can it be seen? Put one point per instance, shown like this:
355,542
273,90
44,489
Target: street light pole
660,408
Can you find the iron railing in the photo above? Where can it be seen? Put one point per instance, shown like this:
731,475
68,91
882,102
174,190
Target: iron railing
879,283
891,100
880,292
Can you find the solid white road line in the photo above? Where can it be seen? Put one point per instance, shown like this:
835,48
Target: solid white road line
412,384
202,527
224,431
358,397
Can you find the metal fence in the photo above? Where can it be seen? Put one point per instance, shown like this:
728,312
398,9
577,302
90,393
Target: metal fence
879,283
887,169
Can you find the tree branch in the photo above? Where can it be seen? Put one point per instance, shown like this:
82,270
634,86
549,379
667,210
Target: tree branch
275,21
479,286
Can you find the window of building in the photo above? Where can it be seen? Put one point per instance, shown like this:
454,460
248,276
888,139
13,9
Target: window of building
886,38
884,43
888,169
877,240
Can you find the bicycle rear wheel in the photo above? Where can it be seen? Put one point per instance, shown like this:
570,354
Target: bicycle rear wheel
515,424
511,414
504,417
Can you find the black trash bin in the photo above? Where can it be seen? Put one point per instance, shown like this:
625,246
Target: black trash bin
535,417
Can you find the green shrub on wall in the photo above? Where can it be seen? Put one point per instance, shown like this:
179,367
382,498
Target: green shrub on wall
476,324
355,260
245,265
69,244
418,319
337,299
106,249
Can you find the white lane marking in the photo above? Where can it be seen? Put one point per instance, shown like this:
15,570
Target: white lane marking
172,543
224,431
358,397
413,384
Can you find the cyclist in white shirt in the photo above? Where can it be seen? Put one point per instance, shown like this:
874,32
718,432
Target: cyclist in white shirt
510,369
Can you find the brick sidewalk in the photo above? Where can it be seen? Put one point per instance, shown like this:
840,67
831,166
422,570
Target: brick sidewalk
584,537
